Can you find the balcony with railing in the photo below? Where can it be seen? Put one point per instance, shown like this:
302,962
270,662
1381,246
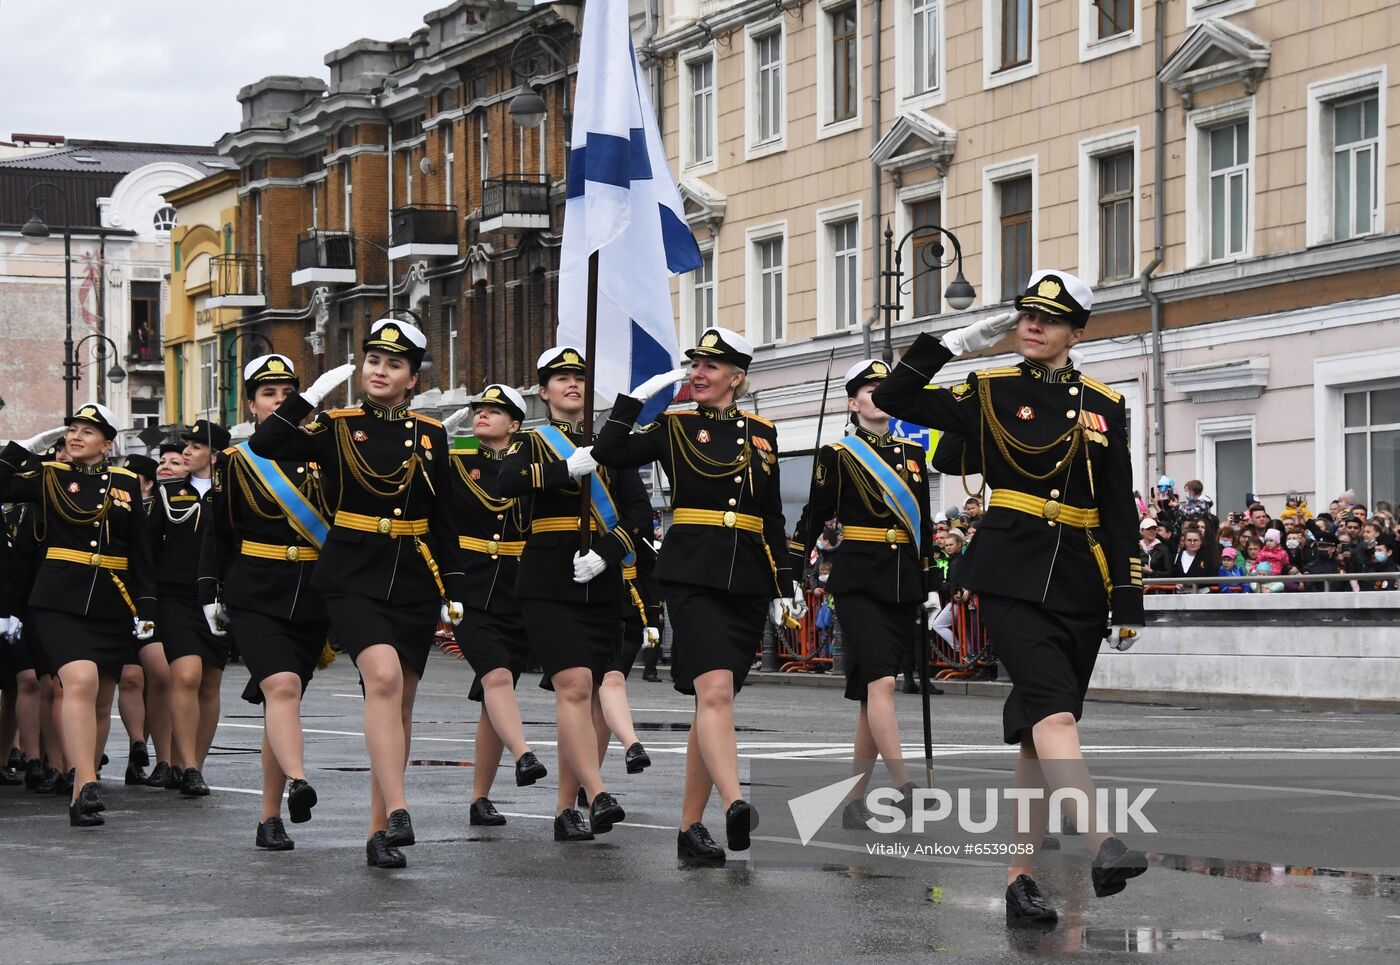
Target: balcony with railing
423,231
325,258
143,346
515,203
237,281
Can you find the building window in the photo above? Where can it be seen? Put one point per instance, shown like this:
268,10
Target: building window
207,363
164,219
925,275
449,158
1115,216
1355,147
408,177
701,133
145,413
1017,225
1371,430
145,321
348,348
1016,28
1228,147
845,271
258,238
925,40
845,64
346,195
768,89
449,327
1114,17
703,293
768,282
315,205
544,145
484,148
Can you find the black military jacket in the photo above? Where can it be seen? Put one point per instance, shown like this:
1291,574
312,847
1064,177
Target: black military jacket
179,518
532,470
244,509
89,510
481,513
385,463
1016,554
843,489
717,460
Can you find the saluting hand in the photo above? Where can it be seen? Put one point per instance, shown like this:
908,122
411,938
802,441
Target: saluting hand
451,423
333,379
44,439
656,383
979,335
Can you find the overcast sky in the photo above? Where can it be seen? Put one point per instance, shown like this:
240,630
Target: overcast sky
141,70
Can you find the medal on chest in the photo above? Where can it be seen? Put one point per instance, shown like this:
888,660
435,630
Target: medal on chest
74,488
703,436
1025,413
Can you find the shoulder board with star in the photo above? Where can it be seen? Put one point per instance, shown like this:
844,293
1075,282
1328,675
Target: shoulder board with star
684,412
757,418
907,442
230,451
997,372
515,447
55,464
1100,388
344,413
122,471
422,418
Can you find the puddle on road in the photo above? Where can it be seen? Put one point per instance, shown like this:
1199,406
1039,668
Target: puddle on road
1355,884
1147,940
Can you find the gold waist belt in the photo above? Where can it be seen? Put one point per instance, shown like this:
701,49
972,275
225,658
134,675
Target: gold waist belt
713,517
873,534
559,524
491,546
1053,510
382,525
86,559
268,551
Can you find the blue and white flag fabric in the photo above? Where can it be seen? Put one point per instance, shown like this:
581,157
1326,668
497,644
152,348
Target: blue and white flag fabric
623,204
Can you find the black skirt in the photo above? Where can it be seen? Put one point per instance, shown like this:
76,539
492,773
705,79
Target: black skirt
360,623
492,641
67,637
712,629
879,639
632,639
272,646
1049,657
568,635
182,629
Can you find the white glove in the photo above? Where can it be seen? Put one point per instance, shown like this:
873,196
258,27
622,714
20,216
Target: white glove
322,387
451,423
452,612
144,629
779,611
44,439
797,607
581,462
656,383
10,629
1123,638
979,335
217,617
651,637
588,566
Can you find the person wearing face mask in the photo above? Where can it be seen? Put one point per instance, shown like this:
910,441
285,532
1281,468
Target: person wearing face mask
1381,561
1324,560
256,567
725,563
389,568
95,585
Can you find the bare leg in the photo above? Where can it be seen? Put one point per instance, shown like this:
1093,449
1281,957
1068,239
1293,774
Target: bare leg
1028,775
28,706
80,684
498,692
488,754
714,719
274,780
208,710
697,782
1062,763
384,682
104,730
131,703
185,674
282,723
616,712
9,724
600,727
55,748
158,685
573,699
106,695
866,753
884,727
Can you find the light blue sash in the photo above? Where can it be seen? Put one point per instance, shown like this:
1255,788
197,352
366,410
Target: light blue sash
897,494
303,516
604,509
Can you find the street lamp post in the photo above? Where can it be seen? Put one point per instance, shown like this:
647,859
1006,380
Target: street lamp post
220,386
36,227
527,108
103,350
959,293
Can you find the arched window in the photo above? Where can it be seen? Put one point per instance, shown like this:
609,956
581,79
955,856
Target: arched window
164,219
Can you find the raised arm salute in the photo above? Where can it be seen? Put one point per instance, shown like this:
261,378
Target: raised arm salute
389,565
1056,551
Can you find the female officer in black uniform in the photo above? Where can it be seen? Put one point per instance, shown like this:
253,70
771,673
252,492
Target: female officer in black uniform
96,579
876,485
570,600
492,634
268,523
723,562
390,558
1056,552
196,652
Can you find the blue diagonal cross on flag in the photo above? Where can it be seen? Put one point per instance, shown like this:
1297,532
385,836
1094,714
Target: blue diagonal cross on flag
623,204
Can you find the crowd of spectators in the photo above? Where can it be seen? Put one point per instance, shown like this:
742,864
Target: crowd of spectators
1182,536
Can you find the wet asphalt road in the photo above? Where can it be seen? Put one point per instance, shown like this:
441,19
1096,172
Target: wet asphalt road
169,878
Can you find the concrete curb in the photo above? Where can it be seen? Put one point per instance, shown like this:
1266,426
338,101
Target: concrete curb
1179,699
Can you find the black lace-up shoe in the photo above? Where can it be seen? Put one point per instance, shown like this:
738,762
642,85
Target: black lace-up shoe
569,826
696,846
380,854
484,814
1025,905
272,836
1114,865
528,769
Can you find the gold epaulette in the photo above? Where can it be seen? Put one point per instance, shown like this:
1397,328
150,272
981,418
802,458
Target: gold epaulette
1100,388
342,413
683,412
422,418
998,372
757,418
121,471
231,450
55,464
906,442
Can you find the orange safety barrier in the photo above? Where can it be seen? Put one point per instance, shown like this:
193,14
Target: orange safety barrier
971,654
805,649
